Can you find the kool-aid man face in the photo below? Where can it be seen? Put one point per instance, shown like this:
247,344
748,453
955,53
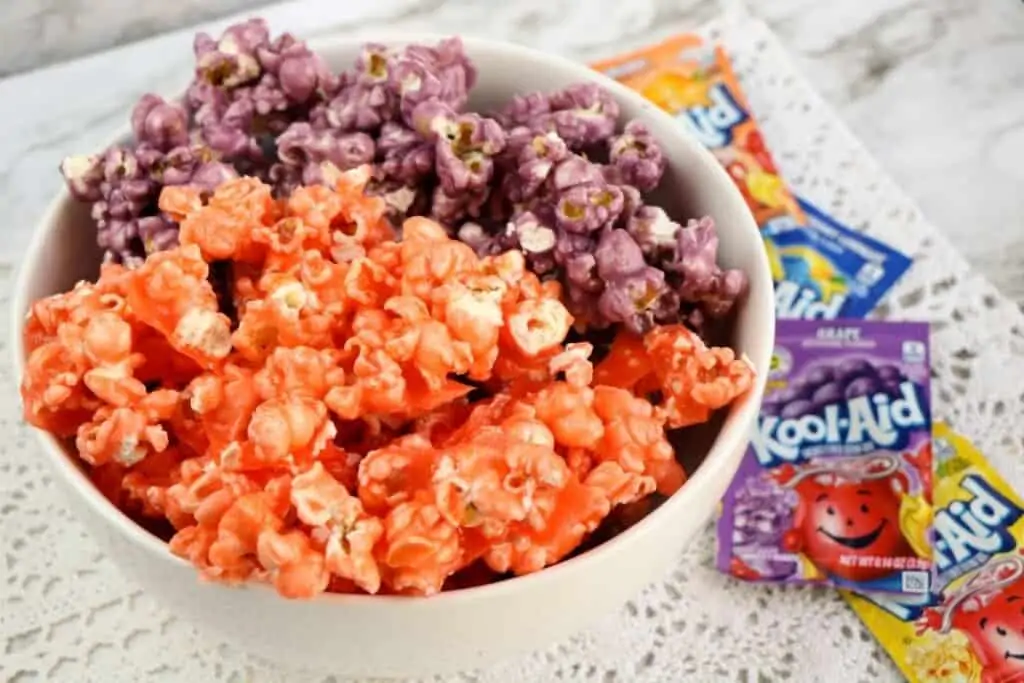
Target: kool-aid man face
843,519
996,631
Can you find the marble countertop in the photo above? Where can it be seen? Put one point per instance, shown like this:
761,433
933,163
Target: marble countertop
36,33
935,89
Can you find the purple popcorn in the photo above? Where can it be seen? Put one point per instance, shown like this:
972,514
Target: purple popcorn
464,152
581,272
653,230
637,157
365,99
532,236
231,61
575,170
537,159
186,165
618,255
357,106
267,98
211,174
703,281
522,110
299,72
442,73
158,123
582,115
404,155
586,208
158,233
634,292
302,145
431,118
302,151
449,209
632,299
123,186
269,107
516,139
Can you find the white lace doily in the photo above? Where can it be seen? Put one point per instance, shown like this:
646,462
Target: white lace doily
66,614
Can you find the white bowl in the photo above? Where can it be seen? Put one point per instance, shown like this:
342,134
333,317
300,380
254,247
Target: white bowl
357,635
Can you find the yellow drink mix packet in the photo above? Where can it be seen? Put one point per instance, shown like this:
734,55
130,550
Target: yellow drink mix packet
970,629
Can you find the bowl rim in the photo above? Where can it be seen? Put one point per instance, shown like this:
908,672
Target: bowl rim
742,413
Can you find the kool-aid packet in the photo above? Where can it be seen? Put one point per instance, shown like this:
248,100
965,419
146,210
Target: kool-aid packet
970,628
695,82
825,270
834,487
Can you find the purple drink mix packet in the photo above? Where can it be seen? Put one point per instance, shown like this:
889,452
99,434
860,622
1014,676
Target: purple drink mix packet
834,488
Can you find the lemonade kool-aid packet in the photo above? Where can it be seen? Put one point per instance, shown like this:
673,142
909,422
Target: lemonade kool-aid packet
970,629
695,82
834,487
825,270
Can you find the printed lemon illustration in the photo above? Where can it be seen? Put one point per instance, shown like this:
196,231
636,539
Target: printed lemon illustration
915,521
811,269
767,188
674,91
774,261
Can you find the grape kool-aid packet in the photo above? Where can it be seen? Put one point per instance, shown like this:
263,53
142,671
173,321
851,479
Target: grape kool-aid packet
695,82
825,270
970,629
834,487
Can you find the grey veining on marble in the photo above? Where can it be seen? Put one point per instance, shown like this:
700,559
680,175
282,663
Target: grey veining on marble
34,33
934,89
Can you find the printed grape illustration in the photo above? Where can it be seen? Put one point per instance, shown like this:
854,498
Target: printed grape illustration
823,385
763,511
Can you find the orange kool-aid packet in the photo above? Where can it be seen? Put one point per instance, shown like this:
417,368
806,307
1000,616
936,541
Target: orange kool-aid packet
694,81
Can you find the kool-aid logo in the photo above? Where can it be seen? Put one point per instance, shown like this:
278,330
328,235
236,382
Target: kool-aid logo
859,425
713,123
967,533
793,301
979,526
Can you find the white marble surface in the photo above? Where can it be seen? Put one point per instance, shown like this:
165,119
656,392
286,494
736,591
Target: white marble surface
935,88
36,33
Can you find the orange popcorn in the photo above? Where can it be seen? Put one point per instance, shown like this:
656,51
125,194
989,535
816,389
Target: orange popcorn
626,363
338,521
342,409
127,434
171,294
497,477
393,474
421,547
694,378
578,511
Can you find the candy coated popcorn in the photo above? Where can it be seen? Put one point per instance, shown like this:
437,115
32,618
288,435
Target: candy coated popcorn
342,410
